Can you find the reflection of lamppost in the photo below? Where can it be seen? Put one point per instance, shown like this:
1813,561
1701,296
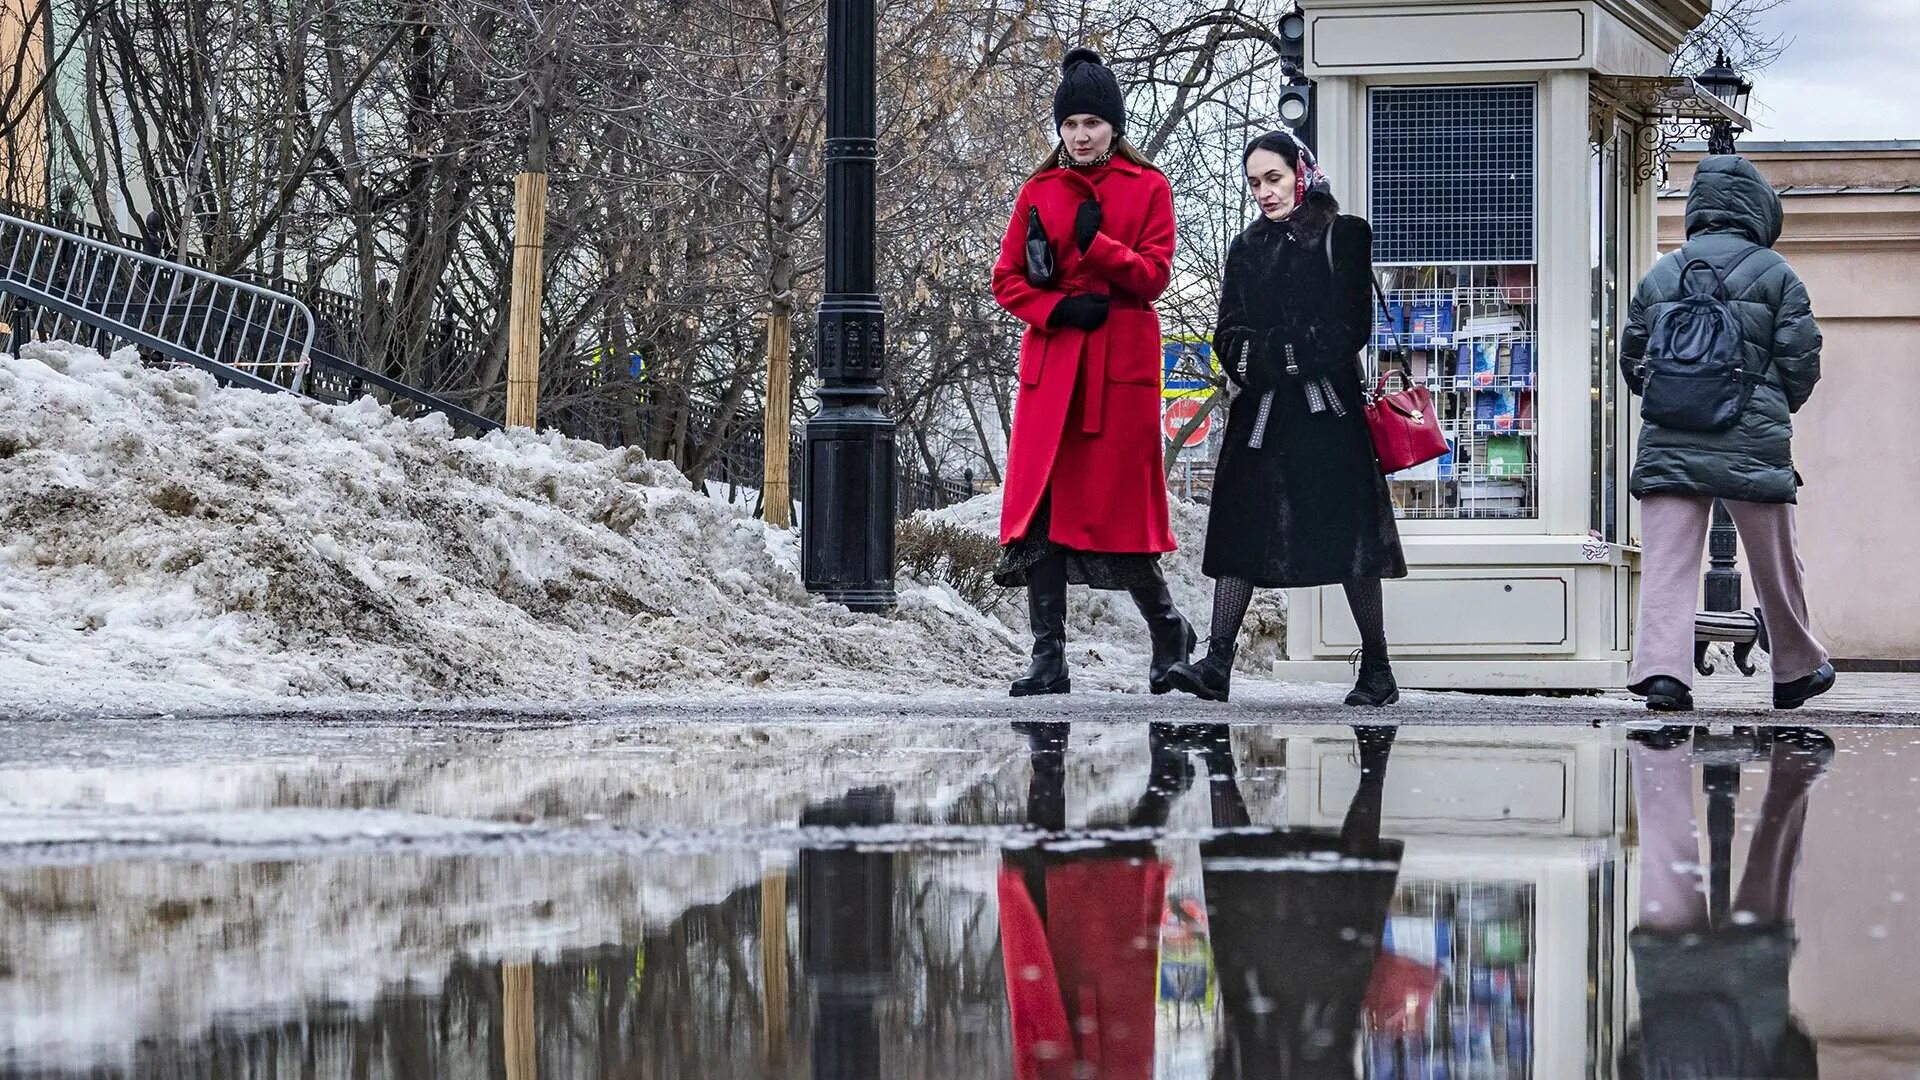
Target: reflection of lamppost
846,935
1724,83
846,533
1723,540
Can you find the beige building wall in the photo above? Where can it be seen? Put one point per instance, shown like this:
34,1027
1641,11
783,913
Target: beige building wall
23,141
1853,233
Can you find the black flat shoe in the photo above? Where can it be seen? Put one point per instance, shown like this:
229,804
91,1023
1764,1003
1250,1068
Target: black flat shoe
1665,737
1808,741
1794,694
1664,693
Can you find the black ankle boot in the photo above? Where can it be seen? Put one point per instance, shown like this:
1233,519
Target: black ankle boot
1211,679
1375,688
1173,636
1047,616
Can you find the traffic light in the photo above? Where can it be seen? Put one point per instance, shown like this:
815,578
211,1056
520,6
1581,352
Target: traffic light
1295,106
1295,101
1293,42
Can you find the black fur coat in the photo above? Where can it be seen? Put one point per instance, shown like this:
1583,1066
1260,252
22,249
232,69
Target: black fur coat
1310,507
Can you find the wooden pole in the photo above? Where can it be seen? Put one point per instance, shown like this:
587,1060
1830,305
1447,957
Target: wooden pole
516,1022
773,964
776,491
523,317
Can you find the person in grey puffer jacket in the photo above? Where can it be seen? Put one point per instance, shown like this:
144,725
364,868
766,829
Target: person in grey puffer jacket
1733,220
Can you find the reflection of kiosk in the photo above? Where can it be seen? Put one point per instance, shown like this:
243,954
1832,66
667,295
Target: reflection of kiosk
1512,890
1500,149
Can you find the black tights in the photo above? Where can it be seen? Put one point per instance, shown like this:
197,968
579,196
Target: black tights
1232,595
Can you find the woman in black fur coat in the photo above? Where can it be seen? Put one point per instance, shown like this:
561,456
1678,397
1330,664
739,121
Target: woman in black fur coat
1299,500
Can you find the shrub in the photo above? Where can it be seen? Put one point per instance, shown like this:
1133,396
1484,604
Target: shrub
961,557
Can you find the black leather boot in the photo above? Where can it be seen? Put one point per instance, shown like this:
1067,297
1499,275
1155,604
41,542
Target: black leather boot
1047,787
1375,688
1170,774
1047,616
1211,679
1173,637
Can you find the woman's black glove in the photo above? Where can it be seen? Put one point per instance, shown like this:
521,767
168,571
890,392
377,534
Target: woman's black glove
1244,356
1081,311
1086,224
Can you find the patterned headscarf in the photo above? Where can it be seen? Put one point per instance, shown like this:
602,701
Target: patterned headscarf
1309,176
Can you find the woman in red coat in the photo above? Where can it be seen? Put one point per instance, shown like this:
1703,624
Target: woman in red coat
1086,496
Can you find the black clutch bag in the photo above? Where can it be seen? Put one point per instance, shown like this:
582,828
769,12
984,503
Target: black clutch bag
1040,268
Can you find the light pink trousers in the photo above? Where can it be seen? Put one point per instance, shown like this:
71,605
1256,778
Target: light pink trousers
1674,535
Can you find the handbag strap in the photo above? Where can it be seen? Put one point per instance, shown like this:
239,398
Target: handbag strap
1379,297
1387,319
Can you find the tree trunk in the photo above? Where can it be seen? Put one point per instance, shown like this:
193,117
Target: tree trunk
773,966
523,349
967,393
517,1022
777,422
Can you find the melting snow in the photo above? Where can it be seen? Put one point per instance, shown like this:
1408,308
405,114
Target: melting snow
167,544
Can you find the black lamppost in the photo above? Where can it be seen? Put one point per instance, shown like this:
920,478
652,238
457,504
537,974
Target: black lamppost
1723,540
846,536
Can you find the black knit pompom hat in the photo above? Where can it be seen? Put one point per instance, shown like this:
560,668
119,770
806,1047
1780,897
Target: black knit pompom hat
1088,86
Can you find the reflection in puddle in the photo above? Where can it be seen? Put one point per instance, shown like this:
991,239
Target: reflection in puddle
1047,901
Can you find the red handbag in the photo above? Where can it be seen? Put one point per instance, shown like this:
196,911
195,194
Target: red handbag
1405,428
1406,431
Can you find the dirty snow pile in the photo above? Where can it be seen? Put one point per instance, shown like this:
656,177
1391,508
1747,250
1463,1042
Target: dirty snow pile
165,543
1102,624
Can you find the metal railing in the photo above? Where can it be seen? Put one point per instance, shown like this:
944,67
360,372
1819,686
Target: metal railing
915,491
62,285
78,284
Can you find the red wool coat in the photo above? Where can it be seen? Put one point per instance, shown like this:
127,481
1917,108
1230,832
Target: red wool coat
1087,418
1082,986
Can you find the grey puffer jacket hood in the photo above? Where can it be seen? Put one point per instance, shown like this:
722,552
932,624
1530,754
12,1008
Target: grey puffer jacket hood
1733,220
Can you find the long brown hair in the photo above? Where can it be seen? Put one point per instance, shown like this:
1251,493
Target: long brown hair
1122,149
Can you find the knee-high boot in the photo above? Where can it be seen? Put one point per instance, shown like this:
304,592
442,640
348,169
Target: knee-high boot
1047,616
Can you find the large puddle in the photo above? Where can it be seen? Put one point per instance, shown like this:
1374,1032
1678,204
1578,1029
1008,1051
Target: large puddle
957,899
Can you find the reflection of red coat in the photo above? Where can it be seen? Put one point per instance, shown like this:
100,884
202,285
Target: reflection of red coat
1082,986
1087,419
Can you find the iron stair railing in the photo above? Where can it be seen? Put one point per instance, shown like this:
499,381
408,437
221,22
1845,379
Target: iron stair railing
62,285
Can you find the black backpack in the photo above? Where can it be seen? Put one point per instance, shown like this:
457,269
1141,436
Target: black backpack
1693,376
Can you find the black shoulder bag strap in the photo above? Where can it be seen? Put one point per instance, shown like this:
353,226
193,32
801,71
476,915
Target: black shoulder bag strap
1398,349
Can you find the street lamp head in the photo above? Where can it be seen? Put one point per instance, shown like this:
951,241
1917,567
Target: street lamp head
1723,82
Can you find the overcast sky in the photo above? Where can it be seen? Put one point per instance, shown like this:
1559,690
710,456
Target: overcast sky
1848,72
